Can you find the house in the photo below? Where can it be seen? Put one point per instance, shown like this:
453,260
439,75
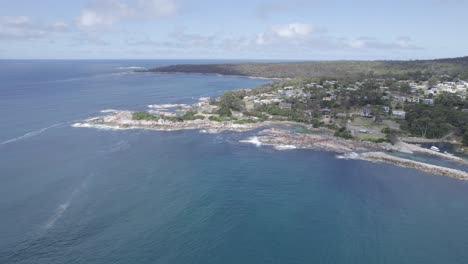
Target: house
366,112
399,99
325,111
284,105
249,106
399,113
428,101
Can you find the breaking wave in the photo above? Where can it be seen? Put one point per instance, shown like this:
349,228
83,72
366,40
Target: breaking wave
347,156
109,111
285,147
252,140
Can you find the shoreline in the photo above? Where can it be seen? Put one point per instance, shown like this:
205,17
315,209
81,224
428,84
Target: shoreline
216,74
283,139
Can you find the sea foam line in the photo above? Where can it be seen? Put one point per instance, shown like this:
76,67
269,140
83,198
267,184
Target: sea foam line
284,147
62,208
30,134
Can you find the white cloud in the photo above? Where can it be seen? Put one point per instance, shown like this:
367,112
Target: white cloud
287,33
103,14
24,27
280,40
366,43
260,40
294,30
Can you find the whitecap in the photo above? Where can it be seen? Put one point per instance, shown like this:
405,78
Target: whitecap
252,140
349,155
109,111
285,147
209,131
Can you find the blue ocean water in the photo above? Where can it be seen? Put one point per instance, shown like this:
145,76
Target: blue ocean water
74,195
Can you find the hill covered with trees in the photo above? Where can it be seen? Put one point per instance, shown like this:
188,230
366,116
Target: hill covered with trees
336,69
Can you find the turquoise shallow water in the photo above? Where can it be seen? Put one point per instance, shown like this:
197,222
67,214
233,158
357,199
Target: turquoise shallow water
70,195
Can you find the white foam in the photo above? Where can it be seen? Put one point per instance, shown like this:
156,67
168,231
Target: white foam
349,155
131,68
285,147
30,134
252,140
103,127
57,214
209,131
109,111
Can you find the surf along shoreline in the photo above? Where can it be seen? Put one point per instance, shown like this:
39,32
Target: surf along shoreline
278,135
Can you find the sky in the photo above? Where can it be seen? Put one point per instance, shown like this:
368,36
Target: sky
242,29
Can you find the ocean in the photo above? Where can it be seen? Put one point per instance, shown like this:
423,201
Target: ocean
81,195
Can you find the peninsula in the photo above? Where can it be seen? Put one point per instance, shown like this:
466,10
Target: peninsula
361,115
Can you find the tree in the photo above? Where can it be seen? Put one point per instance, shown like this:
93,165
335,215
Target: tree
391,135
405,88
224,111
465,139
378,114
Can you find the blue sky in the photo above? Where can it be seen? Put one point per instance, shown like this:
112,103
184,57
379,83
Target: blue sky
252,29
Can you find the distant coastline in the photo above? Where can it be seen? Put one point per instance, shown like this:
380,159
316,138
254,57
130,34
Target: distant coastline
212,74
330,69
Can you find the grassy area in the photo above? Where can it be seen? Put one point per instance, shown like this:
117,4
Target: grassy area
222,118
367,123
371,137
144,116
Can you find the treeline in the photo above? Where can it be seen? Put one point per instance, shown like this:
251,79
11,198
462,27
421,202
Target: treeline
330,69
445,117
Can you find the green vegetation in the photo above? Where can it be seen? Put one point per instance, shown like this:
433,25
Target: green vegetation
231,100
343,133
192,115
222,118
415,70
465,138
341,95
259,115
439,120
144,116
391,135
225,111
